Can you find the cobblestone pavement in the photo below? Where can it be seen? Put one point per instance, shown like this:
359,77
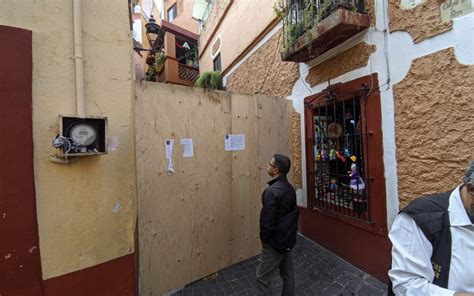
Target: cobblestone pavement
317,270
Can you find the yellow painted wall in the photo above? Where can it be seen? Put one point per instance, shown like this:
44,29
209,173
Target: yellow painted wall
77,225
244,21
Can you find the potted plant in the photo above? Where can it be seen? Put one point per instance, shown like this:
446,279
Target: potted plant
192,57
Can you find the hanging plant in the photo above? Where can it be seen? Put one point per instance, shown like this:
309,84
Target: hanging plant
210,80
160,59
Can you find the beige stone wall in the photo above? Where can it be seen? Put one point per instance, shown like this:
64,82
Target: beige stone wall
434,125
422,22
243,23
264,72
297,160
78,226
185,15
351,59
370,8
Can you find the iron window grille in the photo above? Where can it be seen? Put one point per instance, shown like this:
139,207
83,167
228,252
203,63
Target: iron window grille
340,155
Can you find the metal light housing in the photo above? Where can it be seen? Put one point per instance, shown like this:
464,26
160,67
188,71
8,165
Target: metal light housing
152,33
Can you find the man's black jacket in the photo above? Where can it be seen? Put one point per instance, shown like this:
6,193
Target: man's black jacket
279,215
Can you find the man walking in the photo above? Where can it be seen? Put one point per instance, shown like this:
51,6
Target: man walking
433,244
278,228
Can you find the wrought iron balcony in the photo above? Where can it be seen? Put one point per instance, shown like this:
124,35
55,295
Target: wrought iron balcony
312,27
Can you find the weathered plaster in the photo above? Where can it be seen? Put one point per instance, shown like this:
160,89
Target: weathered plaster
422,22
353,58
370,8
434,125
296,162
264,72
78,226
402,49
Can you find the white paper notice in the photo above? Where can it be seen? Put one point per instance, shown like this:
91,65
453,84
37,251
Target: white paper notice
169,148
234,142
188,147
169,155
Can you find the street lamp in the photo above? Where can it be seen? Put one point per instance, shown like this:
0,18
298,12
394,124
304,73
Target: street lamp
152,33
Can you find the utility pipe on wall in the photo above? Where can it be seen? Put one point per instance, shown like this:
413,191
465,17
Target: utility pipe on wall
78,58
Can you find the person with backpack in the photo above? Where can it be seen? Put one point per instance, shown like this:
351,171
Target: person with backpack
278,228
433,244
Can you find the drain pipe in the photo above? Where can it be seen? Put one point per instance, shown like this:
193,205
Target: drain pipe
79,66
78,58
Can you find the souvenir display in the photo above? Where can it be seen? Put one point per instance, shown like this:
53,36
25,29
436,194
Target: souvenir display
340,156
338,166
356,182
347,152
334,130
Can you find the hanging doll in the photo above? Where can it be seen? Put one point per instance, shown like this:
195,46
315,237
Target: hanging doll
356,183
333,185
332,188
332,155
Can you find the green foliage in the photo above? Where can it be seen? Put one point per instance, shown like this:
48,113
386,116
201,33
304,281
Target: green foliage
310,16
210,80
192,57
279,10
160,58
151,73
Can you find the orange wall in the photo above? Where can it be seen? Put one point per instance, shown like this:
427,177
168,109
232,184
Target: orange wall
185,12
244,21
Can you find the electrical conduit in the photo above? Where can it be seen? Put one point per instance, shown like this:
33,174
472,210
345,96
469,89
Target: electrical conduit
78,58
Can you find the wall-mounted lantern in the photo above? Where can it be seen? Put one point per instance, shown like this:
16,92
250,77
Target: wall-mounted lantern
153,34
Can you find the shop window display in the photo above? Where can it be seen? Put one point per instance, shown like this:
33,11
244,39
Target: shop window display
339,165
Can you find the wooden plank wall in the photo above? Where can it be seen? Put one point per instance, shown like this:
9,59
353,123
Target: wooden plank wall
266,123
204,217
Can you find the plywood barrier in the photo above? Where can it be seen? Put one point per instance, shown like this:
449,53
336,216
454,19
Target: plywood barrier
204,217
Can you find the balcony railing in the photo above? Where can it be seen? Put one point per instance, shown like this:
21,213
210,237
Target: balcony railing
180,66
187,73
312,27
174,72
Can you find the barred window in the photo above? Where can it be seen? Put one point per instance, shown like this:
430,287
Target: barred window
344,151
340,174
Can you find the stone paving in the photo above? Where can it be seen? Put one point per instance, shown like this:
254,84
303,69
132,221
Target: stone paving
317,270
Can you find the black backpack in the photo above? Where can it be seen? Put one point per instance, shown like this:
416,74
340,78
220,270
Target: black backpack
431,215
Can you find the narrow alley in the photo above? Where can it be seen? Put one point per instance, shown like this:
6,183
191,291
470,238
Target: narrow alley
318,272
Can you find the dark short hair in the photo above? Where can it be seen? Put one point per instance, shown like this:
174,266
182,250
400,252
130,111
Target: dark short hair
469,175
282,162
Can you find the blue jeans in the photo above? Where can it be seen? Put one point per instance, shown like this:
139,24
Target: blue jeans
270,261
